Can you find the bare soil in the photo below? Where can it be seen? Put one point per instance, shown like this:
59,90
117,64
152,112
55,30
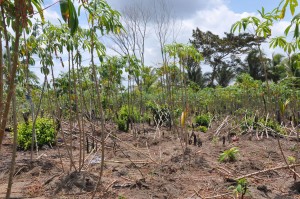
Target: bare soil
151,166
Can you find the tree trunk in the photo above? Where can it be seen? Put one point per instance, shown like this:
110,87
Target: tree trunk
11,82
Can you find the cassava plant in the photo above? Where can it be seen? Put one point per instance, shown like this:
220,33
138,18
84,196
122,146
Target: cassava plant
240,189
229,155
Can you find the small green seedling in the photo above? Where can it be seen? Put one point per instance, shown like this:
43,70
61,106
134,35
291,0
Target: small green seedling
215,140
240,189
229,155
291,159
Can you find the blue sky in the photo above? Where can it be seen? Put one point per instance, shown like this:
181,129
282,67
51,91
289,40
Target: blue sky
252,5
216,16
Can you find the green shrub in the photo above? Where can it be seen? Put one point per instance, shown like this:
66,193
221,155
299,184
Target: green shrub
123,117
146,117
229,155
274,126
202,129
246,123
271,124
122,125
44,129
202,120
240,189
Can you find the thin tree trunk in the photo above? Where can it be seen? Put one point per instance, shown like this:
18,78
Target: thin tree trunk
34,138
82,105
11,82
96,83
1,73
11,95
70,108
76,112
14,153
60,123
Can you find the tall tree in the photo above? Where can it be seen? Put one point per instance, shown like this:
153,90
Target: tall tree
227,71
277,69
295,64
216,50
253,65
194,72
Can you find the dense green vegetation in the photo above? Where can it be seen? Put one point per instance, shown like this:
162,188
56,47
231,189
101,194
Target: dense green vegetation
45,133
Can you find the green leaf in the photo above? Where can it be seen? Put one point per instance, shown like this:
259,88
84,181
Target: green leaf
293,5
282,14
69,15
39,8
296,18
296,32
278,41
287,30
256,21
64,9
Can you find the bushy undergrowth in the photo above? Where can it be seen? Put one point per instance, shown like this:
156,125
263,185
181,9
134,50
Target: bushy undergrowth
203,120
273,125
44,129
261,124
125,116
202,129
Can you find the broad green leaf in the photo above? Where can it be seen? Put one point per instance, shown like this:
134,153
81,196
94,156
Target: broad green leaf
293,5
296,32
296,17
69,15
282,14
64,9
287,30
39,8
278,42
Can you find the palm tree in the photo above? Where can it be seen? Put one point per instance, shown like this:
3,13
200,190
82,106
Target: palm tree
254,65
224,75
295,65
277,69
149,77
194,72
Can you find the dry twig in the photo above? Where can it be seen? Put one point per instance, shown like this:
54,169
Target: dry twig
221,126
266,170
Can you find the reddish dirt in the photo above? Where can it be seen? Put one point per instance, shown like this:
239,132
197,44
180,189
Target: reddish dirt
173,171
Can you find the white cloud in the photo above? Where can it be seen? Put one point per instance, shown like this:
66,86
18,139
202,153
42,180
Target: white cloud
217,19
207,15
52,16
180,8
279,27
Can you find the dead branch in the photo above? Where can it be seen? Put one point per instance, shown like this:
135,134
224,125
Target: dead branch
266,170
281,151
127,161
196,193
221,126
50,179
106,189
133,163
